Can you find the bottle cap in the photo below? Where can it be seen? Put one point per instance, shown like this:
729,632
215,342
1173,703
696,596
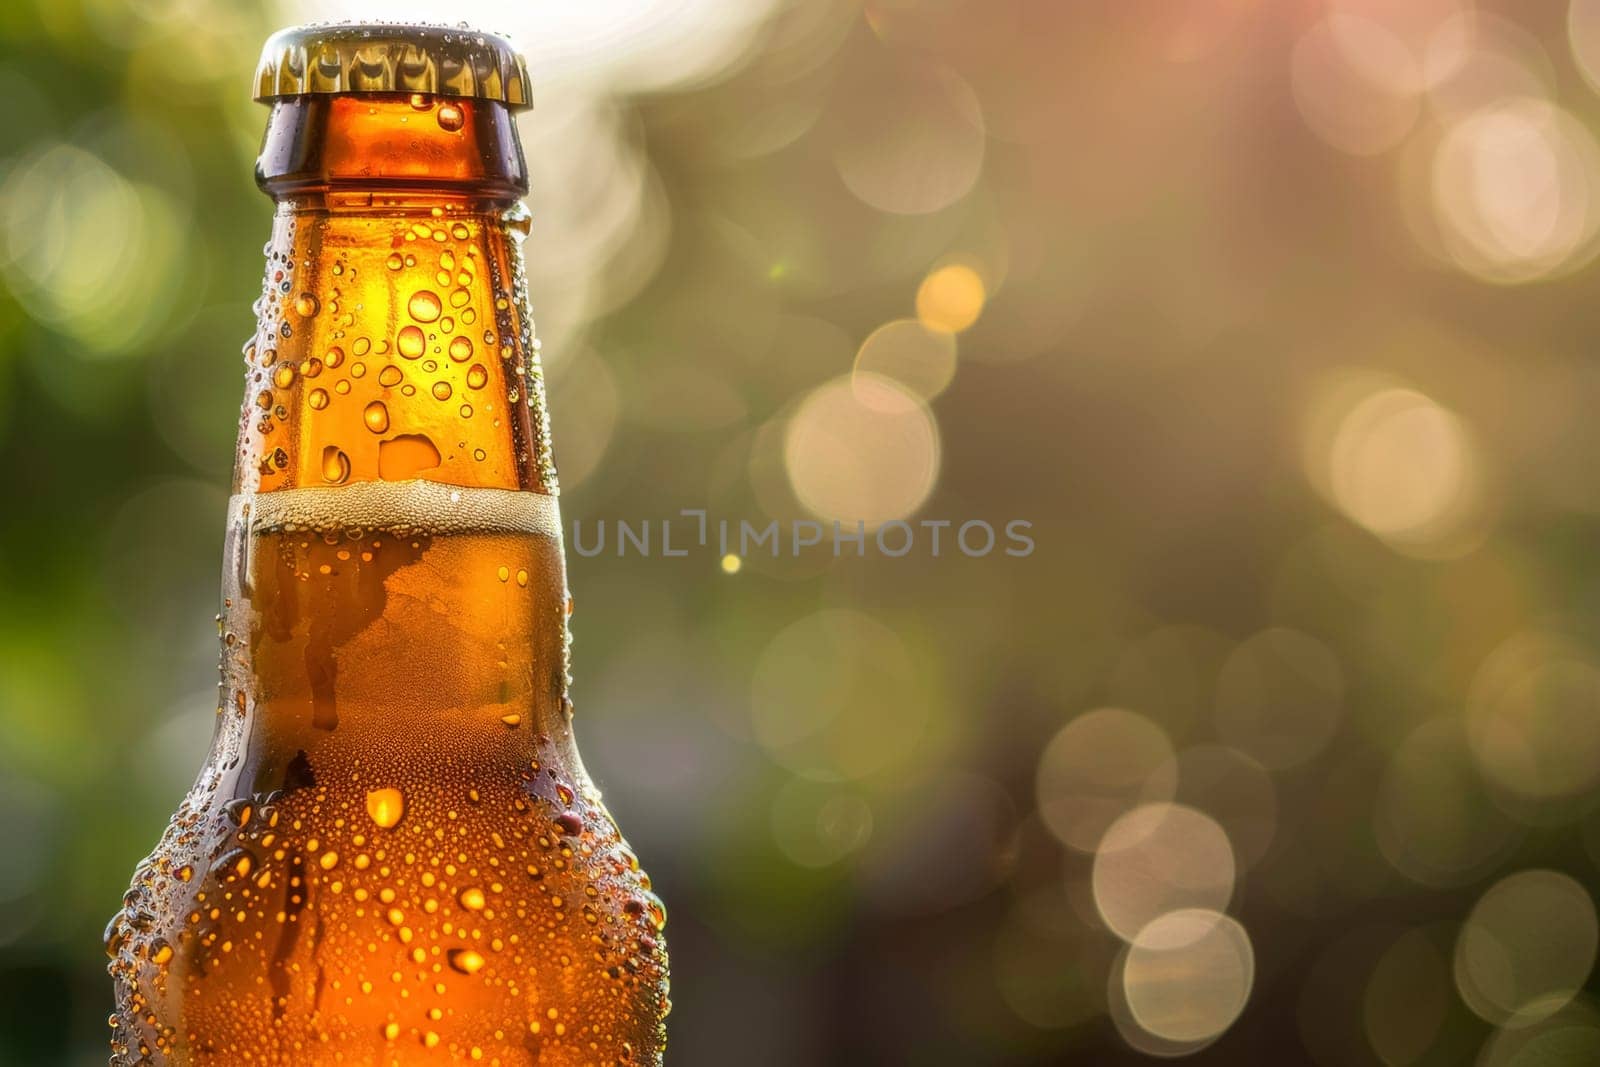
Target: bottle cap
386,57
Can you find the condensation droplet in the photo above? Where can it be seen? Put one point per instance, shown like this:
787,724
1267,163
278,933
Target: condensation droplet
465,960
386,806
411,342
376,416
335,464
424,305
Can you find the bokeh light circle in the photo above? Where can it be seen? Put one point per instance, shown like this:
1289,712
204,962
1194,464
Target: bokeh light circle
1403,467
1279,697
1099,765
1583,32
1527,947
907,351
1397,463
1355,83
1407,998
1433,820
1160,858
1533,721
1516,191
916,145
1569,1037
865,713
1188,975
950,298
89,252
862,448
816,825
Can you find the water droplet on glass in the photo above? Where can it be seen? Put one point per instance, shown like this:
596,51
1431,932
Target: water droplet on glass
390,376
376,416
450,118
465,960
411,342
306,305
386,806
335,465
441,390
460,350
424,305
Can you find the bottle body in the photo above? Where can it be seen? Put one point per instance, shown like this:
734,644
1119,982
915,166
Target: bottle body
393,853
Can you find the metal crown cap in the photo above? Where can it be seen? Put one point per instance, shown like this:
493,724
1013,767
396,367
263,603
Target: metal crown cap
388,57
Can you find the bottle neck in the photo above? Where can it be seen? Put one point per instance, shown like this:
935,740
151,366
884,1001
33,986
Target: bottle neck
393,341
376,143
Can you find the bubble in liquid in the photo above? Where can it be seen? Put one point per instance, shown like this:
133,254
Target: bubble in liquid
450,118
386,806
410,342
335,464
424,305
376,416
441,390
477,375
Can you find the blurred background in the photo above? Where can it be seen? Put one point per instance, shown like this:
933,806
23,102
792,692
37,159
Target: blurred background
1275,319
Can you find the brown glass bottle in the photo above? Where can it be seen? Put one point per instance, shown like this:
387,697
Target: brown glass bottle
393,854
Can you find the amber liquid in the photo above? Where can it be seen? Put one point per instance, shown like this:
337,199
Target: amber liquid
393,854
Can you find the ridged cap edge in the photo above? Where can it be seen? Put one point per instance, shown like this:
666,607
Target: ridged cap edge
383,57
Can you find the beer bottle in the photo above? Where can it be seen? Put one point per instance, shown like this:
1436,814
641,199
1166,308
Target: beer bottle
392,854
